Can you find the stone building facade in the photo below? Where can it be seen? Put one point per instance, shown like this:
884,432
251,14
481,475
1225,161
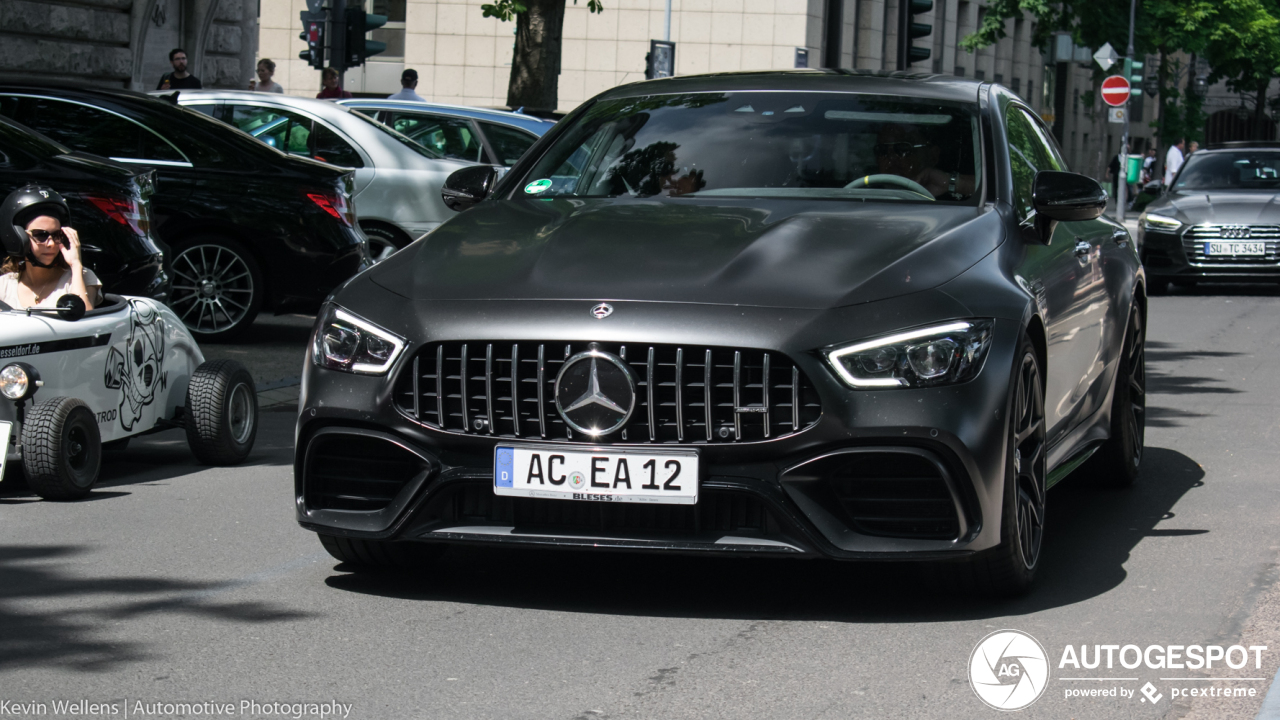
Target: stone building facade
126,43
464,58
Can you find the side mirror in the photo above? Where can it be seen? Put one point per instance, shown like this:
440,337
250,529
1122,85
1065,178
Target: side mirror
1067,197
470,185
70,308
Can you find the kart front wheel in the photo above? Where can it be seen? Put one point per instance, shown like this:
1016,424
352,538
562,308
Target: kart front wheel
222,412
61,449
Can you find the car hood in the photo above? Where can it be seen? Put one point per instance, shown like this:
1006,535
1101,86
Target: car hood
1257,207
772,253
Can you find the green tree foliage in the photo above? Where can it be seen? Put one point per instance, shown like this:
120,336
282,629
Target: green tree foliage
1239,38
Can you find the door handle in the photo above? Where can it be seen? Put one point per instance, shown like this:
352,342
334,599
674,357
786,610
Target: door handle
1121,237
1083,247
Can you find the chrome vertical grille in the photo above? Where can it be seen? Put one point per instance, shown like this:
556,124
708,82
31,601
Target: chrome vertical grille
683,394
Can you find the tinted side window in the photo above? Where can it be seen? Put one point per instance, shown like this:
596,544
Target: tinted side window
1028,155
332,148
281,129
96,131
452,137
508,143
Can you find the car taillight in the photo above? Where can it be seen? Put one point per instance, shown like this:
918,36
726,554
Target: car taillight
337,205
126,211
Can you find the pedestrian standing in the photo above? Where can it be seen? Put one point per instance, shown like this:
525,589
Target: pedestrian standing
264,83
1149,165
1194,146
408,83
1173,161
331,90
179,79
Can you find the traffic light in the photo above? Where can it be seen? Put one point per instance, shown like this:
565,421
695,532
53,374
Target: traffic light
359,25
1133,71
313,34
909,31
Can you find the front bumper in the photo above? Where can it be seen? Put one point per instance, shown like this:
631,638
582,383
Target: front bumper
365,469
1171,256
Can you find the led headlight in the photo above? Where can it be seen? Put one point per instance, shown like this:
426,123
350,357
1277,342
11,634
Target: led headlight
345,342
925,357
19,381
1151,221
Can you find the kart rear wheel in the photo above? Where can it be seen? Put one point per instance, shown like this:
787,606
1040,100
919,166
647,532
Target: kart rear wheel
222,412
363,554
61,449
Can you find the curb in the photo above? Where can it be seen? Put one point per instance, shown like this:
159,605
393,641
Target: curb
1271,703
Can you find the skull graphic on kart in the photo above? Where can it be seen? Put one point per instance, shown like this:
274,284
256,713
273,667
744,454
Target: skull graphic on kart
138,372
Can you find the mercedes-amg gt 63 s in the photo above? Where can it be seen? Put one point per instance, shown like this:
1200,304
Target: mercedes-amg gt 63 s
809,313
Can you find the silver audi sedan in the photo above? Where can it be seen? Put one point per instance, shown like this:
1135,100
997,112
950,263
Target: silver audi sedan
397,181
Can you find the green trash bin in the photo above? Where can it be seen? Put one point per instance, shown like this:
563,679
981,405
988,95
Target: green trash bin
1134,171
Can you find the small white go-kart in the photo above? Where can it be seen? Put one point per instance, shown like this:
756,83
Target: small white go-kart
73,381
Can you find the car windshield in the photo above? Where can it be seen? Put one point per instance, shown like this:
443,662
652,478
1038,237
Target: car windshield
1231,170
771,144
400,138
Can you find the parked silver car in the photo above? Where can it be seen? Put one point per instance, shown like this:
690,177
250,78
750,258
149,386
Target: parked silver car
397,181
493,137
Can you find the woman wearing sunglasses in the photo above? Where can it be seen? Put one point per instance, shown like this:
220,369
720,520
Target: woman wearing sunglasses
43,262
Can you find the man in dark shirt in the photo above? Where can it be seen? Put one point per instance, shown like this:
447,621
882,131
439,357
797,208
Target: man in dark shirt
179,79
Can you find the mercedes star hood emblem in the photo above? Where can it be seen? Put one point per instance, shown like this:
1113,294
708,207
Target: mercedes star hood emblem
602,311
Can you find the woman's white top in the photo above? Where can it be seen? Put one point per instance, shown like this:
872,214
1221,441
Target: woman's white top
9,288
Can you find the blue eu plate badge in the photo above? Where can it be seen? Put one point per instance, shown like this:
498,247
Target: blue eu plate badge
503,461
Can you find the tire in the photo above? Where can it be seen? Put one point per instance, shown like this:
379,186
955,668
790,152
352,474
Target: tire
384,241
222,413
1009,568
1117,462
374,554
61,449
217,288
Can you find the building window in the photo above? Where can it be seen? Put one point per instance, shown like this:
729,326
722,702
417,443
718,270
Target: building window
1031,96
393,32
959,71
1017,86
980,74
999,78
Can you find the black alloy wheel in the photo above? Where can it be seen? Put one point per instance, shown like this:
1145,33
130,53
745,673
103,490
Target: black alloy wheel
1118,461
1009,568
217,288
383,241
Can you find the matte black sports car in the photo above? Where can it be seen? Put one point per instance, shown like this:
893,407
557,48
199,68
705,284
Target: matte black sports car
250,228
804,313
1219,219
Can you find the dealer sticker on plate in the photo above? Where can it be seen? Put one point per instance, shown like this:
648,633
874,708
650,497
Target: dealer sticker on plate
596,475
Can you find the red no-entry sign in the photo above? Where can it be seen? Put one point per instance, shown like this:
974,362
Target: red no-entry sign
1115,90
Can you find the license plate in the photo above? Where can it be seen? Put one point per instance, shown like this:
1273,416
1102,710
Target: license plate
1223,248
596,475
5,429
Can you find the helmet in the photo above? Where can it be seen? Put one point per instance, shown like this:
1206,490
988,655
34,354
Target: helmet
20,208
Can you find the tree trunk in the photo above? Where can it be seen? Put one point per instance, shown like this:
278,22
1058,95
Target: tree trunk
1259,116
535,65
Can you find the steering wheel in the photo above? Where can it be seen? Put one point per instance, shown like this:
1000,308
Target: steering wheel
892,181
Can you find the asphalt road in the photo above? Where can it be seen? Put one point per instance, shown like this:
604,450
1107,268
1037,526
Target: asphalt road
179,583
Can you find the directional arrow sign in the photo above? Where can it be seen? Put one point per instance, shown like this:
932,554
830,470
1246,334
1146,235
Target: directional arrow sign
1106,57
1115,90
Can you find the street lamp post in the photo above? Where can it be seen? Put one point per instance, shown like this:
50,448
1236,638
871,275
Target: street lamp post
1122,179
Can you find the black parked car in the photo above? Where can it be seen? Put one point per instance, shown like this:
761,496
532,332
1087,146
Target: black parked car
806,314
1218,220
250,227
110,205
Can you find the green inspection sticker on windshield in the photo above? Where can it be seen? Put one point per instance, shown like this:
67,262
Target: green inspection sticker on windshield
537,186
